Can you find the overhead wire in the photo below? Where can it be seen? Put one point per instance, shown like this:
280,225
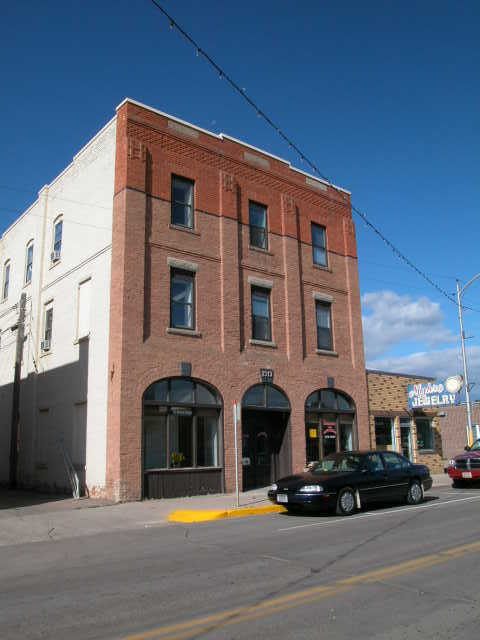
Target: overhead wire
302,156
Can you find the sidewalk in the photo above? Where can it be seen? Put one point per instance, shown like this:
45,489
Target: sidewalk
30,517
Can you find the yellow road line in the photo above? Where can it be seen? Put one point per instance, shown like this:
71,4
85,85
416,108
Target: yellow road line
183,630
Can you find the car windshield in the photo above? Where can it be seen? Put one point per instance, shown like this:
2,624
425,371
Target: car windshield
475,446
337,462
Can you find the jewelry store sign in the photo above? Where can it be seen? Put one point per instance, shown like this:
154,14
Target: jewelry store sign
441,393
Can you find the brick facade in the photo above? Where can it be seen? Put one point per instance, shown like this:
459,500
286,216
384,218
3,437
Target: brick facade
387,398
227,175
454,435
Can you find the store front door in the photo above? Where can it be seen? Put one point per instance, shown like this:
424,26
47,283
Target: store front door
405,438
265,443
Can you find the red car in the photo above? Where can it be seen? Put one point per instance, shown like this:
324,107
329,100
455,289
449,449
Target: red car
465,467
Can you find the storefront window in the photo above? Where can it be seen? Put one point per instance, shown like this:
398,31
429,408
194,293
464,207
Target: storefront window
424,434
179,432
384,434
329,423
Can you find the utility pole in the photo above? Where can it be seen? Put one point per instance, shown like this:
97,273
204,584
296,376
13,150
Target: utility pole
16,392
460,293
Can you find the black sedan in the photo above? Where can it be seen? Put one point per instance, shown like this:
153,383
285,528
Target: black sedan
346,481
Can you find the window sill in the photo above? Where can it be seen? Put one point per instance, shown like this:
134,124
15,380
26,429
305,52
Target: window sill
263,343
27,284
180,469
82,339
54,264
326,352
260,250
44,354
429,452
184,332
321,267
178,227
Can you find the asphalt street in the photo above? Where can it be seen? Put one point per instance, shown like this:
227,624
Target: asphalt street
392,572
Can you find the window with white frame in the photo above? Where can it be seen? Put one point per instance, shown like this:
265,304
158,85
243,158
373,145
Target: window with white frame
6,280
323,312
29,263
57,240
47,327
319,245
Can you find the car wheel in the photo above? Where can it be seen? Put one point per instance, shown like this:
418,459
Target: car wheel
458,484
346,502
415,492
292,508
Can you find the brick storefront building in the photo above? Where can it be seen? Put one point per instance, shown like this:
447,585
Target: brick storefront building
416,434
214,277
171,272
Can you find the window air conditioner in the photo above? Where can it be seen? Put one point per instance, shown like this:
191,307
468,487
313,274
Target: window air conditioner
45,345
55,256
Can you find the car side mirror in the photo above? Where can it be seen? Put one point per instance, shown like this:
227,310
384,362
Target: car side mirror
467,448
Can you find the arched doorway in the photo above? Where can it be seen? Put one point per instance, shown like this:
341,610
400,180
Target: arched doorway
330,423
182,439
265,436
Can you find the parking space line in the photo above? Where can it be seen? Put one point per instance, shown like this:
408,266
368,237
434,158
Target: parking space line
376,514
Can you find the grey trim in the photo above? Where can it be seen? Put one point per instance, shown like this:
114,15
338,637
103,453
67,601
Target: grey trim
256,160
315,184
324,297
326,352
260,282
263,343
180,128
184,332
182,264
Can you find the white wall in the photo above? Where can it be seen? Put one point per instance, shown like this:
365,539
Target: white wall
56,383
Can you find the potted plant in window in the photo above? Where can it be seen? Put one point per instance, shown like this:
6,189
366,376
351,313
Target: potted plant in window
177,459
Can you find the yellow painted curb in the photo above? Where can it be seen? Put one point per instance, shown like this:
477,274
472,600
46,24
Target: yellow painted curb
199,515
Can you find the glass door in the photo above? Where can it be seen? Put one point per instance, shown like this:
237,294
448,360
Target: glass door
405,438
329,437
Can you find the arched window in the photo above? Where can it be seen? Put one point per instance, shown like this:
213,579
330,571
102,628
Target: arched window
57,239
181,425
6,280
329,423
29,262
265,396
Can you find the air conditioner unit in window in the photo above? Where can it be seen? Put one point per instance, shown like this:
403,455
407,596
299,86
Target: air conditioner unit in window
55,256
45,345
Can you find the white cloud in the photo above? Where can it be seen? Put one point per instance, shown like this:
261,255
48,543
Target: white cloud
438,364
390,319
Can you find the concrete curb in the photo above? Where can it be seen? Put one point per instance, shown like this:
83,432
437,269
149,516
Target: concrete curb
202,515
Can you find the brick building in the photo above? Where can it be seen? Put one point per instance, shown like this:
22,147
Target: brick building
416,434
233,279
453,423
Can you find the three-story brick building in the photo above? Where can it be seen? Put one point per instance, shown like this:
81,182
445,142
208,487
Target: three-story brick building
233,279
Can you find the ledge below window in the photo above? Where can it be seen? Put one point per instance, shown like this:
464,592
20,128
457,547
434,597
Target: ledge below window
260,250
325,352
322,267
178,227
428,452
184,332
263,343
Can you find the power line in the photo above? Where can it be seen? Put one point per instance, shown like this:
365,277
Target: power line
303,157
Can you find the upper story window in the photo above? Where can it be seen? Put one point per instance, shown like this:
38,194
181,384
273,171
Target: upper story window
47,328
319,246
261,317
182,299
182,202
6,280
29,263
323,312
258,225
57,240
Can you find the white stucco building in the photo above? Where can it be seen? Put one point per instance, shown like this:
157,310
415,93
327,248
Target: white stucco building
58,252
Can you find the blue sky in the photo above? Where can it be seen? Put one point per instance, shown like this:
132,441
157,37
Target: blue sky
383,96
